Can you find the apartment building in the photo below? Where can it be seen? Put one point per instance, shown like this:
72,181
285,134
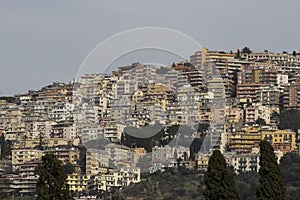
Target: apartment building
117,178
119,155
270,95
281,140
291,96
245,140
22,156
245,162
65,154
97,161
21,186
77,182
248,92
11,120
202,162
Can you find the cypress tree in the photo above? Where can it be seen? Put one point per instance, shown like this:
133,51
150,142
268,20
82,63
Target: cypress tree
219,182
51,184
271,185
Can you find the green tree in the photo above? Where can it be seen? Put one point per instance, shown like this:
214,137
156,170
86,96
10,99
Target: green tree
51,184
82,160
294,53
238,54
260,121
219,182
271,185
202,127
289,119
9,99
5,147
247,183
69,168
290,166
246,50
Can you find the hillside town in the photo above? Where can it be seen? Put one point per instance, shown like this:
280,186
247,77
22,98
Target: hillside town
107,129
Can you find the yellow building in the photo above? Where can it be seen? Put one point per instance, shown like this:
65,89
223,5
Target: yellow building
245,140
77,182
65,154
46,142
22,156
52,142
202,162
282,140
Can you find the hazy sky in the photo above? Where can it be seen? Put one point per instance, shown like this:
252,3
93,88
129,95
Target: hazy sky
46,41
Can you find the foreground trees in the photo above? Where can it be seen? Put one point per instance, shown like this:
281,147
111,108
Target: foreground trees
271,185
52,180
219,182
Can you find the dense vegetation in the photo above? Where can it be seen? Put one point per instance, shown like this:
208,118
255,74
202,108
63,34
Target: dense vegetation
290,165
247,183
9,99
289,119
149,136
51,184
190,183
174,183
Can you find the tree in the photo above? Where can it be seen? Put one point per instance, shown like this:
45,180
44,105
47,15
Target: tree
82,160
5,147
274,118
246,50
290,166
179,183
219,182
294,53
271,185
69,168
9,99
247,183
238,54
51,184
260,121
202,128
235,82
289,119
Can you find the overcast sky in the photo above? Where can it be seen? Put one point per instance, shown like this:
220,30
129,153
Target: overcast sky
46,41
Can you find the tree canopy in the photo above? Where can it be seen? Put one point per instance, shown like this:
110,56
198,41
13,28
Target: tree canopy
260,121
5,145
69,168
246,50
289,119
271,185
219,182
51,184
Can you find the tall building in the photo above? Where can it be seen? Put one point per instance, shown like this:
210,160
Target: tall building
291,96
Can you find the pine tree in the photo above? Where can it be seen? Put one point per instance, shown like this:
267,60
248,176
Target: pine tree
271,185
51,184
219,182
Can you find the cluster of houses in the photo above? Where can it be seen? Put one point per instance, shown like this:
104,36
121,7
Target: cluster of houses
83,123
